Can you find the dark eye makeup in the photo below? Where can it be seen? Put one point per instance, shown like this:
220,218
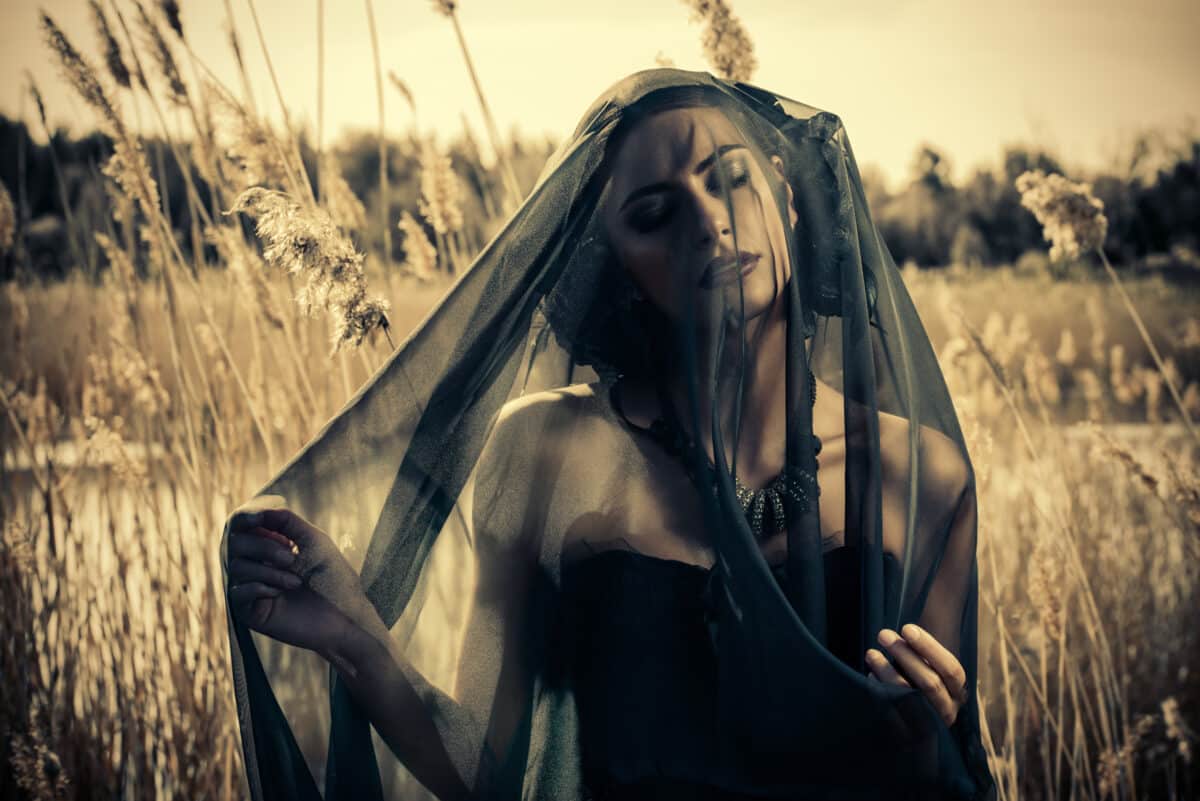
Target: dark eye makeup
735,173
656,209
652,212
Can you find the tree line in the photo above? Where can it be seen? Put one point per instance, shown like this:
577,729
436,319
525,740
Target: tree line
1152,201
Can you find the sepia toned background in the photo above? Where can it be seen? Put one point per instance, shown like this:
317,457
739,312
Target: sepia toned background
161,357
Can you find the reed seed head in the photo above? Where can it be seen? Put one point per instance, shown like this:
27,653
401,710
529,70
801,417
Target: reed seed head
1072,217
177,91
16,549
403,89
38,103
38,414
83,78
113,59
37,769
306,242
129,169
170,12
726,43
440,192
420,256
1046,578
1177,728
250,147
338,198
1067,353
118,261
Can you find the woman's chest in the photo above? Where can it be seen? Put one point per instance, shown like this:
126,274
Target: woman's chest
651,506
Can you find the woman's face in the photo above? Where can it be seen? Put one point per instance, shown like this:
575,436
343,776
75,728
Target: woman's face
683,181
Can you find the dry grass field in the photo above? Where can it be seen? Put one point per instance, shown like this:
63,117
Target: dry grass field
128,436
136,412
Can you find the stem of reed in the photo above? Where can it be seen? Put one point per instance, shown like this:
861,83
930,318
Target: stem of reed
1141,327
506,170
383,164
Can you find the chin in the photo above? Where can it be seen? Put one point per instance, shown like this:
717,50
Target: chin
759,293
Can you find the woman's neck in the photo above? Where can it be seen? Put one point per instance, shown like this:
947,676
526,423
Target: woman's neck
761,442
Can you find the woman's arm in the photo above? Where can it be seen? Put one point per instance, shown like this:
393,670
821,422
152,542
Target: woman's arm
928,654
289,581
405,709
943,611
452,745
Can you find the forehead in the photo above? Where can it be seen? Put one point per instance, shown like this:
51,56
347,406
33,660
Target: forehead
672,141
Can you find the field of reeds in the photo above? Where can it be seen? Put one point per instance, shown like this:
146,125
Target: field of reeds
140,404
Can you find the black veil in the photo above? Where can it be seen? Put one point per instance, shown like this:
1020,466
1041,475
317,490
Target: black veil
442,467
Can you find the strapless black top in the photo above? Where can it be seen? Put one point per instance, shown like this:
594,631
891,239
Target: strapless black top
644,669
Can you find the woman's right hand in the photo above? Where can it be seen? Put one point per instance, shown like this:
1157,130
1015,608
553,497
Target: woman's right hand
288,580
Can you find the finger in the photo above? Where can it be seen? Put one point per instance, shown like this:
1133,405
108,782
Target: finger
939,658
242,571
264,549
252,603
882,670
282,539
287,523
276,536
919,673
242,594
249,514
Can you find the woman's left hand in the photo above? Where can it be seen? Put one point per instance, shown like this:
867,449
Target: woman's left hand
924,663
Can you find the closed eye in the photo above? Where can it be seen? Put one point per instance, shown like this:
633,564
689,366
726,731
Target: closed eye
735,174
651,213
652,206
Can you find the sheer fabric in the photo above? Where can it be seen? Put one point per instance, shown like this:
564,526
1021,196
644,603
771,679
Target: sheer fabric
477,474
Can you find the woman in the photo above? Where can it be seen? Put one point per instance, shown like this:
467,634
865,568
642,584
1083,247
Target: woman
657,588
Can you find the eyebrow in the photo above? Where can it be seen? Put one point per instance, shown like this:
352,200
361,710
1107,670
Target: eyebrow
661,186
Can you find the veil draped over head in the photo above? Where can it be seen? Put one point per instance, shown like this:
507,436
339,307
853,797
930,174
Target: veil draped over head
490,434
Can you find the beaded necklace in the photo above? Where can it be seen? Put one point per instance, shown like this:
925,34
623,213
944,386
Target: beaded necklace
764,508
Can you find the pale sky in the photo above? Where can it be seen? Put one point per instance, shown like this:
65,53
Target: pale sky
969,77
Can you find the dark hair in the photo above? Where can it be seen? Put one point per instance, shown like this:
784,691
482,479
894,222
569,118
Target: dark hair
594,309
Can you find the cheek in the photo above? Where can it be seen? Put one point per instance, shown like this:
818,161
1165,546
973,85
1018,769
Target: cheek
779,247
776,236
649,266
759,288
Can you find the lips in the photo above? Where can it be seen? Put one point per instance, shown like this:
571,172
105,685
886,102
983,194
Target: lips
724,268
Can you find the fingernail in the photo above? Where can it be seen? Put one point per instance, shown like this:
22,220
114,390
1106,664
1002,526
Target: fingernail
911,632
292,580
887,637
284,557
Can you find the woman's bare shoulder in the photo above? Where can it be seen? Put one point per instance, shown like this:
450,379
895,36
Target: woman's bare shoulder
539,407
941,463
553,417
532,448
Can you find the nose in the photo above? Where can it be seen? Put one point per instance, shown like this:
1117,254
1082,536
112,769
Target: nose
712,221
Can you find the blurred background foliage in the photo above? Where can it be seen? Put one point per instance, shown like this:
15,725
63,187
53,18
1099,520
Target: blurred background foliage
1152,201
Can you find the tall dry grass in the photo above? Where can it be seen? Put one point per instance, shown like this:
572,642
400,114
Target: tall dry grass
136,413
120,463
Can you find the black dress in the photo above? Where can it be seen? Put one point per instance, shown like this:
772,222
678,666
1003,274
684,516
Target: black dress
644,670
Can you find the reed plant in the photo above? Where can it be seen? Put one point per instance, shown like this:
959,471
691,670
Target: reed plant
136,411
